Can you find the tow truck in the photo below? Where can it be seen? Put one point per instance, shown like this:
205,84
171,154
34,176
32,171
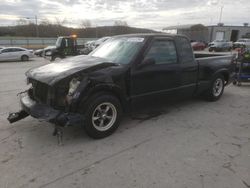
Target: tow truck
65,46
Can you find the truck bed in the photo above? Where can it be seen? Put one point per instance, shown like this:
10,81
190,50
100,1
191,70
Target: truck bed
202,55
210,62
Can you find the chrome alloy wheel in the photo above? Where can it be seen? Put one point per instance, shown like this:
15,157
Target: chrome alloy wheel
218,87
104,116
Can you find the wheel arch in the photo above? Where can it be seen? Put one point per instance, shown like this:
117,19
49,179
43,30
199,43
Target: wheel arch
24,55
224,73
106,89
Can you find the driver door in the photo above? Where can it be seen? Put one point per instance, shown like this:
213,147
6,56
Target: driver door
160,79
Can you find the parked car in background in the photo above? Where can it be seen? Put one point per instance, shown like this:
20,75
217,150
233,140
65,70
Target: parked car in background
98,42
241,43
198,46
41,52
88,47
91,45
221,47
217,41
15,54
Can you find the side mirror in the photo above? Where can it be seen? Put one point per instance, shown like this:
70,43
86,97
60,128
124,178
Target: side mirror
147,62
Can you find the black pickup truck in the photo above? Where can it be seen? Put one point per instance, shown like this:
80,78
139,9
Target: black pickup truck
95,90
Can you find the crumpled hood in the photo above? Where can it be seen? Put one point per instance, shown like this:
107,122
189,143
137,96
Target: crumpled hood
54,72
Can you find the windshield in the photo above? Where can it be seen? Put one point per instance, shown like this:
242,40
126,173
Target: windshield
58,42
119,50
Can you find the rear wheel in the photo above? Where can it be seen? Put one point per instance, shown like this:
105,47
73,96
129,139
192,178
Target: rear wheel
56,58
102,116
216,88
25,58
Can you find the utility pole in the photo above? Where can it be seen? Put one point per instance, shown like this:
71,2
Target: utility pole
96,32
37,32
36,23
221,10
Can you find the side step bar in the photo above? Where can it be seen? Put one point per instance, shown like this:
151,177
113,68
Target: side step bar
16,116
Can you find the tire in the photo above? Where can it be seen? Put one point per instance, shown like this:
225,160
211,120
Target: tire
25,58
55,58
102,109
216,88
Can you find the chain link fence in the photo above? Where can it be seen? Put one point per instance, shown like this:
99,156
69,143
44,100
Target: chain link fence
34,43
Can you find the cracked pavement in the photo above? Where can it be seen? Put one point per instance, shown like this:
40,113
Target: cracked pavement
193,144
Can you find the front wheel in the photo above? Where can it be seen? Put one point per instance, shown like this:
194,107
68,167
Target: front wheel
216,88
25,58
102,116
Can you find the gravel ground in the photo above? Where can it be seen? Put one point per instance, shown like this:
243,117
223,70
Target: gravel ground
189,144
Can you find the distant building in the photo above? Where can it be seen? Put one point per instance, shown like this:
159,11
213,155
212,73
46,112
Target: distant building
200,32
196,32
231,33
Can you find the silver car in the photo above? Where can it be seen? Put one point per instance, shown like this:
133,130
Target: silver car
15,54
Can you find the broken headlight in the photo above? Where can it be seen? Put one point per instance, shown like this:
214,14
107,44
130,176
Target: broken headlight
73,85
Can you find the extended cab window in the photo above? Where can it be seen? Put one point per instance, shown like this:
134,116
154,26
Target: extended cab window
163,52
185,50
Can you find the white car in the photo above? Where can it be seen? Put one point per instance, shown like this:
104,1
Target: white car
241,42
15,53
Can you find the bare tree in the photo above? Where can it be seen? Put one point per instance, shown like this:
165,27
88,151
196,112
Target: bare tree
60,22
45,21
120,23
22,21
85,24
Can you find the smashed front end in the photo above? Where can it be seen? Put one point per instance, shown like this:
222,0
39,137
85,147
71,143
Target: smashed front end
49,103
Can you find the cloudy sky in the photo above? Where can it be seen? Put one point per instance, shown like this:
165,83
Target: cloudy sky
153,14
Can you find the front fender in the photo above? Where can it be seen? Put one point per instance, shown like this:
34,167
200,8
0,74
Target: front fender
89,90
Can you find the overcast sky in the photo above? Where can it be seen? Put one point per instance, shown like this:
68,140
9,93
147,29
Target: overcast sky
152,14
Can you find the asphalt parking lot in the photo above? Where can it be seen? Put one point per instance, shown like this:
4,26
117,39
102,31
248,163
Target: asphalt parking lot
189,144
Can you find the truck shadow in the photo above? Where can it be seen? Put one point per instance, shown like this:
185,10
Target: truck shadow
140,114
152,111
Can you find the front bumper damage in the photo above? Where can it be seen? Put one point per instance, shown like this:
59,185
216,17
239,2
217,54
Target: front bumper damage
44,112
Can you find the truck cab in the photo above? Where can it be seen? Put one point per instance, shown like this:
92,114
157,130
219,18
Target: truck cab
65,46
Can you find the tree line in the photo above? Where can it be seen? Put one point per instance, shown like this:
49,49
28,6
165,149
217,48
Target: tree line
86,30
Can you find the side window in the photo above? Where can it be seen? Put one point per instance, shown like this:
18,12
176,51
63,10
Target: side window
14,50
6,50
163,52
18,49
66,42
185,51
